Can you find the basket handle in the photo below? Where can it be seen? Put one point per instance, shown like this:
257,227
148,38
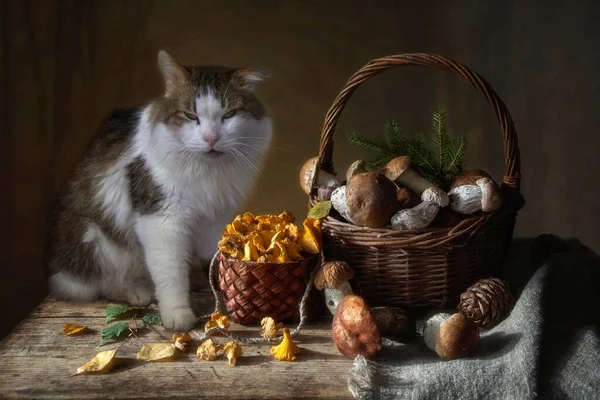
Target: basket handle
512,166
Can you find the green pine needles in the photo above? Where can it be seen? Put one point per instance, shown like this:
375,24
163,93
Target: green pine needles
440,165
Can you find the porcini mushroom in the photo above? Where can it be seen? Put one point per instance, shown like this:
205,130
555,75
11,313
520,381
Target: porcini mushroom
451,337
354,328
332,278
339,203
399,170
371,199
394,323
474,191
357,167
422,215
324,179
407,198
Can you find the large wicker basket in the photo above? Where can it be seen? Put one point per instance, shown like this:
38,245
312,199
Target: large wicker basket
427,267
254,290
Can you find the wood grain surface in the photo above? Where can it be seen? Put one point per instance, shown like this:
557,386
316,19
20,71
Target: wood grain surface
37,361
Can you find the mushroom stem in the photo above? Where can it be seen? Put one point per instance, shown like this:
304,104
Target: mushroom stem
333,297
414,181
418,217
466,199
339,203
324,178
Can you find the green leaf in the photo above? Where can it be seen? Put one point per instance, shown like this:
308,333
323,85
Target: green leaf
114,332
152,319
320,210
116,311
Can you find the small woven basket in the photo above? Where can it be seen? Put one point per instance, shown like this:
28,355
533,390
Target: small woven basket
426,267
254,290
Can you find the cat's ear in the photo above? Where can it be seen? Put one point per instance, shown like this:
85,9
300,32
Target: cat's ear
248,78
174,74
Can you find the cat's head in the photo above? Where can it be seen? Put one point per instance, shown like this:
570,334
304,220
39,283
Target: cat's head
212,111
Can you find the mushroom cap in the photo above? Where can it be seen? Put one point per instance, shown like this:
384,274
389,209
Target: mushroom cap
469,178
332,274
323,179
396,167
354,329
491,195
435,195
371,199
407,198
394,323
357,167
458,337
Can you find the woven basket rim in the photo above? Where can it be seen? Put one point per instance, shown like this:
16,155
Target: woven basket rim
222,257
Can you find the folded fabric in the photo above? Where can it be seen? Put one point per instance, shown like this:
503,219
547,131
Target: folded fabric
548,347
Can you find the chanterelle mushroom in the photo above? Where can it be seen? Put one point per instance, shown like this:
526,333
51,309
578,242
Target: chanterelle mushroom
208,350
474,191
232,351
324,178
270,329
371,199
287,349
333,278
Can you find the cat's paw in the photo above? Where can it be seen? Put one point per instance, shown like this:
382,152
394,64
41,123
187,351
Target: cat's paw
139,295
178,319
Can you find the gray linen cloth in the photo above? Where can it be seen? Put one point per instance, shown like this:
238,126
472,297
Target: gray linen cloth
547,348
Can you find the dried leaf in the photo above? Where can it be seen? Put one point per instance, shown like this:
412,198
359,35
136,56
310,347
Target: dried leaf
152,319
73,329
320,210
157,352
116,311
114,332
101,363
181,340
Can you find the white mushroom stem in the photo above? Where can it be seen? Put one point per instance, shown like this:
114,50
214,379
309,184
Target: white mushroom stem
491,199
334,296
418,217
435,195
466,199
339,203
431,331
414,181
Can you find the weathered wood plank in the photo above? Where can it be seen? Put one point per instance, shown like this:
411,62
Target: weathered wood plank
37,360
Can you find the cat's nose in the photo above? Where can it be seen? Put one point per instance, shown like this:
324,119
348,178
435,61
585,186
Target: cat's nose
211,140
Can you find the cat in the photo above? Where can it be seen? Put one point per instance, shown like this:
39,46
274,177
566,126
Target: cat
156,187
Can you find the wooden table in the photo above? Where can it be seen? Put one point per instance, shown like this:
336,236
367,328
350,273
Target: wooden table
37,361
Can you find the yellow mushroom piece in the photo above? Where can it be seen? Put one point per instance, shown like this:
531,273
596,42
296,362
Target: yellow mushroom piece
310,236
208,350
217,319
287,349
270,329
232,351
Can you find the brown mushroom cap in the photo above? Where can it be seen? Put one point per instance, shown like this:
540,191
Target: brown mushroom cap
394,323
354,328
407,198
469,178
323,179
371,199
332,274
396,167
357,167
458,337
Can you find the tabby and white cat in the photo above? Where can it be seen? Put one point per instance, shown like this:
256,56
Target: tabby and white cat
156,187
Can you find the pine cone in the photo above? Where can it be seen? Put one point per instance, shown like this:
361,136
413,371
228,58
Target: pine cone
486,302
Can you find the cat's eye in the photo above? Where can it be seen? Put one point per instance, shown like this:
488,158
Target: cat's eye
229,114
190,116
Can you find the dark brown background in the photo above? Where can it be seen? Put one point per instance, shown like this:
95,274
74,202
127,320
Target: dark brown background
65,64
